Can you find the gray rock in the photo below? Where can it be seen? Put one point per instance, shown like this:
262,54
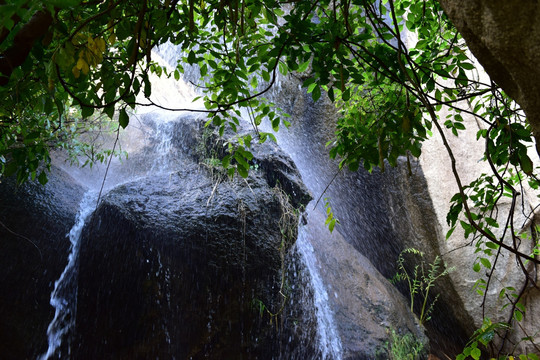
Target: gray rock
503,35
457,251
366,306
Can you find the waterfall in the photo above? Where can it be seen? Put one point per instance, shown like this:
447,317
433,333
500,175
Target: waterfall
64,295
329,341
165,153
160,155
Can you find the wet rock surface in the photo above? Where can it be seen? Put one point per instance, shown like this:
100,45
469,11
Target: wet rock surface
380,214
35,221
185,264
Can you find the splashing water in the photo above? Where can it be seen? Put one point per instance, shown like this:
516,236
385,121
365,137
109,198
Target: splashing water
329,341
64,295
164,148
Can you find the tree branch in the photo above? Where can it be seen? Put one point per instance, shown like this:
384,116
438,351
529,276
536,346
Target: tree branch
23,42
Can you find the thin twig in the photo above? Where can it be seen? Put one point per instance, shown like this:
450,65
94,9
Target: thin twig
22,237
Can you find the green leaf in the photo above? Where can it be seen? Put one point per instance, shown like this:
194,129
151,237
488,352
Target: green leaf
518,315
331,94
316,94
226,161
346,95
192,59
459,126
466,66
303,67
476,353
275,124
242,171
449,233
331,225
147,87
204,70
485,262
254,82
239,157
86,111
476,267
526,164
283,68
123,118
42,178
109,111
491,222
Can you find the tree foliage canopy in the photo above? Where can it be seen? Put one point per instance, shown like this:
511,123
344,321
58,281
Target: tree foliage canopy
62,62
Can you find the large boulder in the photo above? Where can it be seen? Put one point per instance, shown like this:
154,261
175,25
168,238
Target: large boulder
34,223
181,264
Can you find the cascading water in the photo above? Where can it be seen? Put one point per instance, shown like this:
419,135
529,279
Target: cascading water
64,295
329,341
164,149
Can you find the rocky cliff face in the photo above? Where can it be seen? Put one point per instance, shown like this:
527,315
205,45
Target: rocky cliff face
191,263
203,260
380,213
503,37
458,251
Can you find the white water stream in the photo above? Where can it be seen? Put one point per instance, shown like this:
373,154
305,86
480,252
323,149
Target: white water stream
64,295
329,341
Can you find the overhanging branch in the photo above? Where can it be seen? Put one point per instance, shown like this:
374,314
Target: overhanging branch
23,42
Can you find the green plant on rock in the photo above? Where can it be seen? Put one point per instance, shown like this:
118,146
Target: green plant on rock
402,347
331,220
288,227
481,337
420,280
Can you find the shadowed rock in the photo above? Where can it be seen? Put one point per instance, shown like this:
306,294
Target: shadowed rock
34,223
